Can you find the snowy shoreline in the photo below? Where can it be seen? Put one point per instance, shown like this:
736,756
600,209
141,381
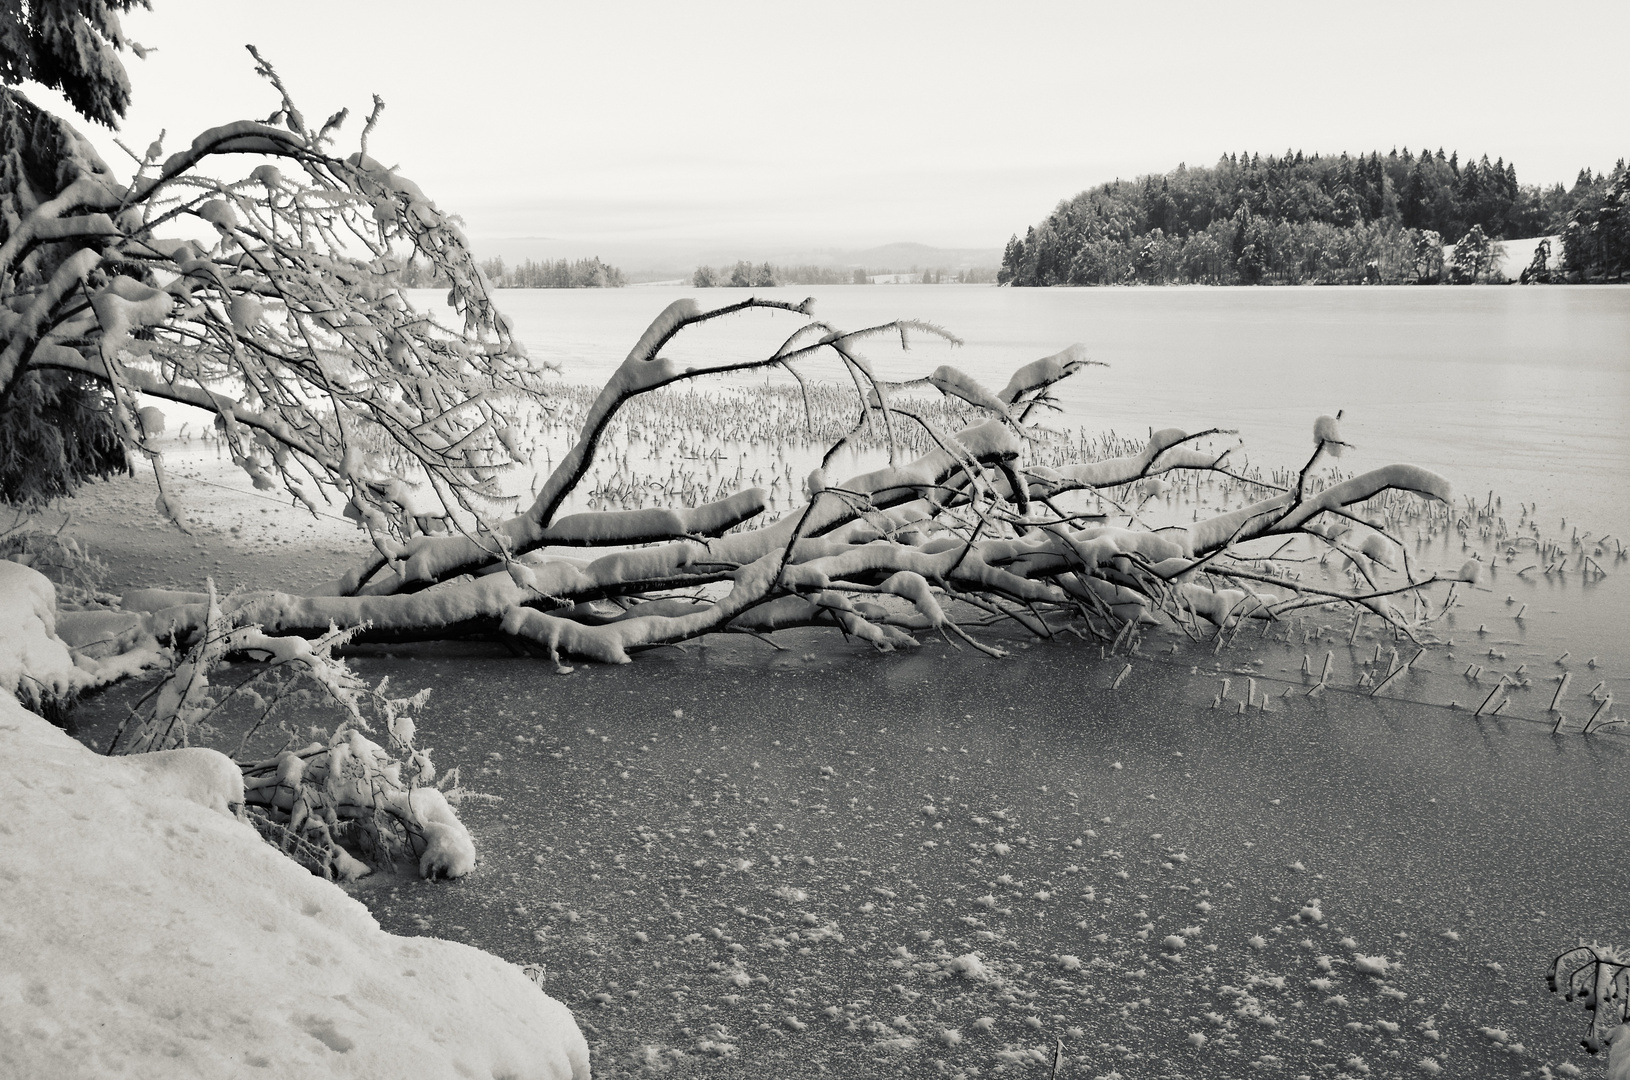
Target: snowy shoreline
149,931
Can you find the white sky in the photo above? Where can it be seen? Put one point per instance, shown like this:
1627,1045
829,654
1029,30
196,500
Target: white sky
852,124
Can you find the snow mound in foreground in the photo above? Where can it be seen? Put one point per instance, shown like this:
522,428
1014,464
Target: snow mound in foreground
33,660
38,664
1618,1054
145,934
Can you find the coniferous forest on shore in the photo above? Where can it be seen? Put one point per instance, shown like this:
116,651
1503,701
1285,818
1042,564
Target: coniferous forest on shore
1398,218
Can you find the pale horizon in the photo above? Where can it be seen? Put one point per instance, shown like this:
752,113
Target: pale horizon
842,126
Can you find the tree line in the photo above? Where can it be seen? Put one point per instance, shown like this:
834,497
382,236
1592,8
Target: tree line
549,274
745,275
1303,218
588,273
1596,236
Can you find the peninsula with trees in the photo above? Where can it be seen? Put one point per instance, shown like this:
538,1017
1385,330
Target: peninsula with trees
1396,218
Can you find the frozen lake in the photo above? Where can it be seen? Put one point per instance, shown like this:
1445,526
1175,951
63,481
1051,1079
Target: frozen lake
1522,390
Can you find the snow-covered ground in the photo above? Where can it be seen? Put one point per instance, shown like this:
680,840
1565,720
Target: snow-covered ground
146,931
1516,255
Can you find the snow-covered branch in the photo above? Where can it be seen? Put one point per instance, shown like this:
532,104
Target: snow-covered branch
289,324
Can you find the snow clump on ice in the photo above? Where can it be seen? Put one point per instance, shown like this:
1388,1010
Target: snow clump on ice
969,966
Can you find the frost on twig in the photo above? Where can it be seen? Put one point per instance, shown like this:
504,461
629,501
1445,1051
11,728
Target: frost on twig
317,800
1598,978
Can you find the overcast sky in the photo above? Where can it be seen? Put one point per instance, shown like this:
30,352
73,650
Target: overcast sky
853,124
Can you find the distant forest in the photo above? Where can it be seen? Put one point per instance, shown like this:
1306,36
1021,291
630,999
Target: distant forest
556,274
553,274
1299,219
746,275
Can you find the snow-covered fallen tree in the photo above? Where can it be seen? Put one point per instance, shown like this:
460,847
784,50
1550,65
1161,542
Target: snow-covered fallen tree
148,932
291,326
971,531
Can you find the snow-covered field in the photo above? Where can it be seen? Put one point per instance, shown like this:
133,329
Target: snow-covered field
1517,255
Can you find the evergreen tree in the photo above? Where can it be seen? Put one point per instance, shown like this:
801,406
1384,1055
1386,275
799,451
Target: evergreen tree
56,428
1474,257
72,46
1538,270
1596,240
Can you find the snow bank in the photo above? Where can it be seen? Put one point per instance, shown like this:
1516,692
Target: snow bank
1618,1054
49,656
146,934
34,662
